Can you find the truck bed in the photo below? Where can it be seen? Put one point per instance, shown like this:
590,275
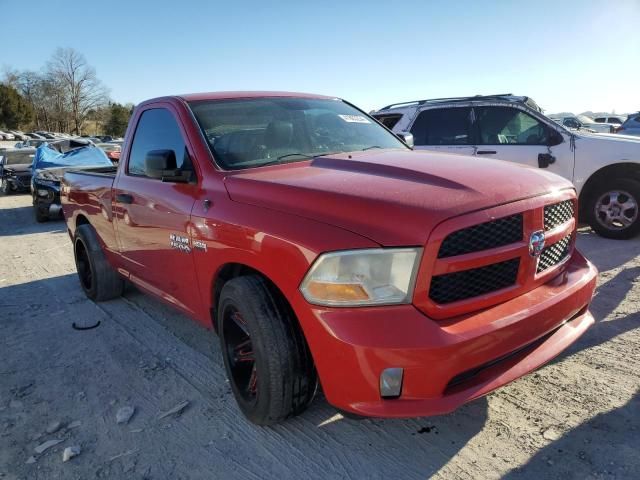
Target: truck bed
97,171
87,193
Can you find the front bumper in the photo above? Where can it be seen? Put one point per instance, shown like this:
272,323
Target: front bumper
446,362
20,183
49,203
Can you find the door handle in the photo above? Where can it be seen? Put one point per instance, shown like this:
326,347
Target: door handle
124,198
486,152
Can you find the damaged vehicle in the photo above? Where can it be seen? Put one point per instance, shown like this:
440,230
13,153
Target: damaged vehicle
50,163
15,170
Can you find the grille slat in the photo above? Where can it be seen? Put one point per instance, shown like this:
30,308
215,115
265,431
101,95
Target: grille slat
453,287
554,254
483,236
557,214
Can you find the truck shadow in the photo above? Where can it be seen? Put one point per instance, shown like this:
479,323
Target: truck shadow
604,253
343,447
604,447
320,440
610,322
21,221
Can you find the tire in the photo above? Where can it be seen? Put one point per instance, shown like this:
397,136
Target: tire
41,215
98,279
272,376
605,208
5,188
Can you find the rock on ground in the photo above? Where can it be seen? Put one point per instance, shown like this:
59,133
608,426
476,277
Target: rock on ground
70,452
124,414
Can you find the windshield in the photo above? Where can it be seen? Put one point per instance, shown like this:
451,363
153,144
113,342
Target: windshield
584,119
248,133
18,158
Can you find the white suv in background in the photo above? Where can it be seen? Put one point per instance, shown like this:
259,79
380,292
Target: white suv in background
583,122
604,168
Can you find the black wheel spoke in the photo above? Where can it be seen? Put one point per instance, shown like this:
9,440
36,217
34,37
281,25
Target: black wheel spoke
252,386
244,351
240,354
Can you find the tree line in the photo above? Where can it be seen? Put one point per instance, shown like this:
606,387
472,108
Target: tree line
64,96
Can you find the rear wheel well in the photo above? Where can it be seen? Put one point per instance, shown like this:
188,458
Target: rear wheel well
617,170
81,220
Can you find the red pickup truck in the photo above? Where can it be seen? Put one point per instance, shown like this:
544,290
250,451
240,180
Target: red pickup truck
324,251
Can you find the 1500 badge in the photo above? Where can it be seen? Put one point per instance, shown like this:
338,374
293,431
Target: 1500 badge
200,245
183,244
179,243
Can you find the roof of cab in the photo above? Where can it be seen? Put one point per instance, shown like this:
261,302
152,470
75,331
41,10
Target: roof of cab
195,97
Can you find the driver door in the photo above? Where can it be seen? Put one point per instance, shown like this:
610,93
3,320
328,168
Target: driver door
444,130
152,217
511,134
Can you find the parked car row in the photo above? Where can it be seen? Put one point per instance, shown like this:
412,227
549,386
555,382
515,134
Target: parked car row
631,125
39,170
582,122
15,170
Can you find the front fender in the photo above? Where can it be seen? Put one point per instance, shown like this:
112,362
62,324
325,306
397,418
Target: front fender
280,246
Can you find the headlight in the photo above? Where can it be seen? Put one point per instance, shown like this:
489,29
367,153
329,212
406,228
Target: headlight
362,277
45,181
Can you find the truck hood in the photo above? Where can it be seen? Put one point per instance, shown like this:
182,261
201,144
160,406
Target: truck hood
608,148
615,139
393,197
18,168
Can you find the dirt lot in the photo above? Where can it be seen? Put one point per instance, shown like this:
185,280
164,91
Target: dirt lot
578,417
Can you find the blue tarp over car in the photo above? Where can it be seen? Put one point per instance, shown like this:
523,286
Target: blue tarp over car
69,153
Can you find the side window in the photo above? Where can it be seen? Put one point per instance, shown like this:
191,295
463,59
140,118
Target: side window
600,120
156,130
571,123
509,126
614,120
388,121
443,126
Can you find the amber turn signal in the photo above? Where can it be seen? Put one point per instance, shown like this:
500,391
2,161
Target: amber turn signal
340,292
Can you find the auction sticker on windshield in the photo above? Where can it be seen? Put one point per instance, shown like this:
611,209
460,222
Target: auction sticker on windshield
354,118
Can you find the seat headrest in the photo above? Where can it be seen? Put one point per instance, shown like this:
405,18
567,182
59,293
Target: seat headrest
278,134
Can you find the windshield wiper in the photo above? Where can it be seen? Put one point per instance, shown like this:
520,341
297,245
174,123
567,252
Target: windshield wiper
371,147
299,156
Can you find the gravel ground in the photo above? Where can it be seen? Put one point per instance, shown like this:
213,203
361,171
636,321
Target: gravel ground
578,417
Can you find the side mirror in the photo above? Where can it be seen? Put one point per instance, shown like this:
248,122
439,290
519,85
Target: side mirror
555,138
406,137
545,159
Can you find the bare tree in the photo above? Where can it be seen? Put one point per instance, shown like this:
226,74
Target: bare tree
76,83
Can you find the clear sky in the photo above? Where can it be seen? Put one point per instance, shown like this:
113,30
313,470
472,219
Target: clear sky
568,55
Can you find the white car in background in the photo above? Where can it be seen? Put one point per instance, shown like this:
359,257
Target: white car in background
582,122
6,135
604,168
611,119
